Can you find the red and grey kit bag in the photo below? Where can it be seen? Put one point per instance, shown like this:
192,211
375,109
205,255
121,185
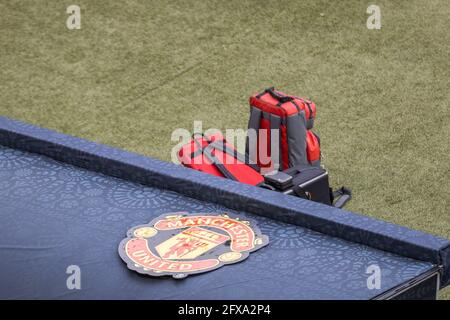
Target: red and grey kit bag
280,135
212,154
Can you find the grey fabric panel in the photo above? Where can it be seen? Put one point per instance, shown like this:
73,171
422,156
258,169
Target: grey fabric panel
310,123
255,117
316,163
253,124
296,132
275,143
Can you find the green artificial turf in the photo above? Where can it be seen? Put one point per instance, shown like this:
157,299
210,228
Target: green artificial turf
137,70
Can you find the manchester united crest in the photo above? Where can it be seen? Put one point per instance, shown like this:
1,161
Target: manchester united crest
181,244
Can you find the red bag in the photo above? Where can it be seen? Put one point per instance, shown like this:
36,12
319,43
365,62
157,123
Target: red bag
292,117
213,155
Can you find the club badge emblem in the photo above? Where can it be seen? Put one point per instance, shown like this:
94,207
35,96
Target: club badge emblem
181,244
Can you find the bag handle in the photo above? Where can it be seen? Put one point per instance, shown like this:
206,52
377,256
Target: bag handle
277,96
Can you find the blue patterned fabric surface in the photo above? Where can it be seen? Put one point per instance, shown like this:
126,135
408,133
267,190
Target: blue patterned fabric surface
54,215
288,209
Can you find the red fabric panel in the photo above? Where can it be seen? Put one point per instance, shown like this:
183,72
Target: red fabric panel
242,172
312,147
269,108
284,147
269,104
199,162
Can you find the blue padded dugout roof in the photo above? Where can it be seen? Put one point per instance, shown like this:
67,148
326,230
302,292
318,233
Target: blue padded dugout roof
226,193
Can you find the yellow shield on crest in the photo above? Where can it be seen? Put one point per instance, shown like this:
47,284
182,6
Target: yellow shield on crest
190,243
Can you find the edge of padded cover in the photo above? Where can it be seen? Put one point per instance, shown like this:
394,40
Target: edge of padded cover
141,169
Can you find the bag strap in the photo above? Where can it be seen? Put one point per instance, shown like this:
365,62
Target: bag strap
341,197
244,158
207,151
310,108
220,166
221,146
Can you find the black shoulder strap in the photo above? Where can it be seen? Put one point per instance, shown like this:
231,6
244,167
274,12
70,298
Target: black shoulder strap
221,146
244,158
207,151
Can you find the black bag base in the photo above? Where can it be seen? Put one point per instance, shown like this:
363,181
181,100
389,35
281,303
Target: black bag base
308,182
